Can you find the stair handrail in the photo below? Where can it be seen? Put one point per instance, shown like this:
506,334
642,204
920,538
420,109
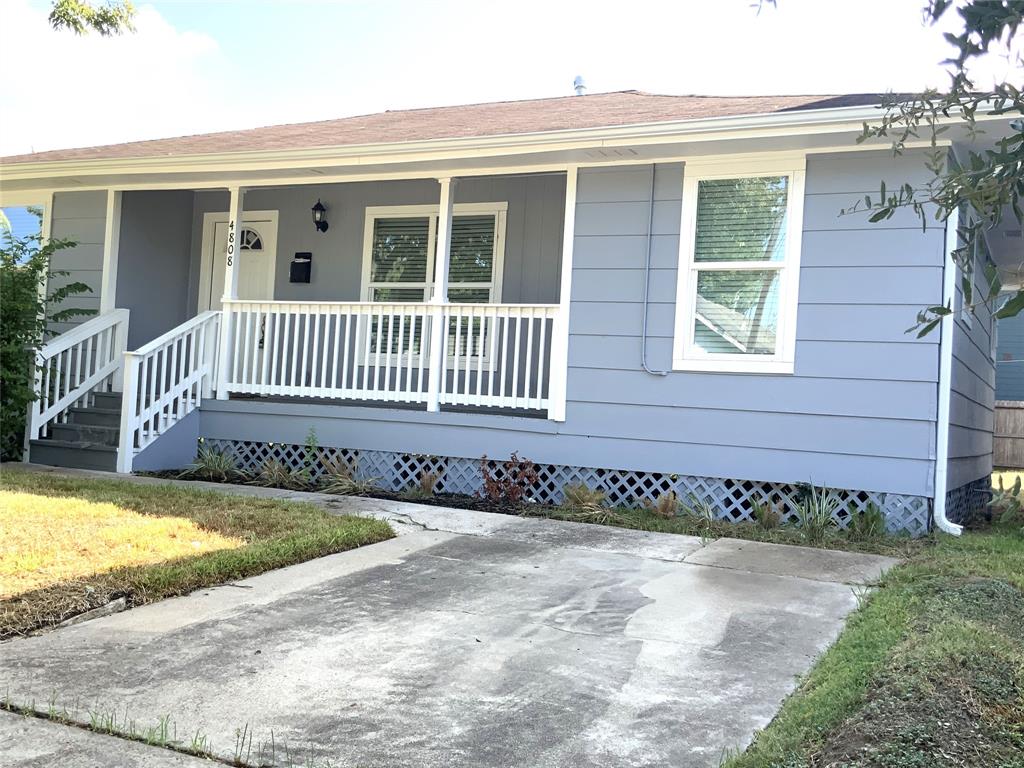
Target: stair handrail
164,381
71,366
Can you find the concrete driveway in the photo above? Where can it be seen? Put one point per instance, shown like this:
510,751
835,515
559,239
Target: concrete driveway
470,640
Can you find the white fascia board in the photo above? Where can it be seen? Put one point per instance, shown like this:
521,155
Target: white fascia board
795,123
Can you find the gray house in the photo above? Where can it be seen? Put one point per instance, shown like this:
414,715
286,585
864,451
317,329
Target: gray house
642,293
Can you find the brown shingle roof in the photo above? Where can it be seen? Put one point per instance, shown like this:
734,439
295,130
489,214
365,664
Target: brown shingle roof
466,121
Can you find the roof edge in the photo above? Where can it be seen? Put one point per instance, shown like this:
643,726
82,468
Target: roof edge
633,92
810,121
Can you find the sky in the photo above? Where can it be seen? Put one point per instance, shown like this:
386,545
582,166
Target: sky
195,67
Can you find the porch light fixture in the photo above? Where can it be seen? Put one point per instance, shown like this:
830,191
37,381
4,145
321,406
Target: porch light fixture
318,216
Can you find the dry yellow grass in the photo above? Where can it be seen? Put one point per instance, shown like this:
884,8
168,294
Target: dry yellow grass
46,540
262,534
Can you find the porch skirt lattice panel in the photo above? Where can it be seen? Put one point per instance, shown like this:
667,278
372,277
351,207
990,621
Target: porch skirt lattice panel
733,499
969,500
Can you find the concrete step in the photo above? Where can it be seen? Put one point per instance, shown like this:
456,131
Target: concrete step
62,453
107,400
102,417
85,434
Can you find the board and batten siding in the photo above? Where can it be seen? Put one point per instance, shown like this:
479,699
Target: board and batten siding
972,395
859,411
79,216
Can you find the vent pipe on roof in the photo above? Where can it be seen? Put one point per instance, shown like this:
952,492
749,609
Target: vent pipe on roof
578,85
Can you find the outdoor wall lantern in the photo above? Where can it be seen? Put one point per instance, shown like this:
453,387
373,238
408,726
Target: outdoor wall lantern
318,216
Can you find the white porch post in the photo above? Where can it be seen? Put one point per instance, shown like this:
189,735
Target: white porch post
225,356
111,243
440,296
126,439
108,279
560,327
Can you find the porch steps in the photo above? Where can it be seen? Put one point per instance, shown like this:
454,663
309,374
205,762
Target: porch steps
87,440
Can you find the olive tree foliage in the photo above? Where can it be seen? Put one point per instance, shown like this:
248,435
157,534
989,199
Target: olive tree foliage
987,182
26,316
111,18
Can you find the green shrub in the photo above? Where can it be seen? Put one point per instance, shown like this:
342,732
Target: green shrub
765,514
339,478
580,496
1006,503
275,474
212,464
816,514
25,321
701,510
869,523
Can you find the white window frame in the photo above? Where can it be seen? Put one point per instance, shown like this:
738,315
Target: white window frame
498,209
686,356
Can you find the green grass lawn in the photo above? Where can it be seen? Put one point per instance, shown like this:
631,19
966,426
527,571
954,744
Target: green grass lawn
70,544
929,673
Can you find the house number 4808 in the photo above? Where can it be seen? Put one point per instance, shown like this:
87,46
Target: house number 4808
231,242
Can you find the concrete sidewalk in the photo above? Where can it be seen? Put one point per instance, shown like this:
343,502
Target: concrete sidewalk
28,742
470,640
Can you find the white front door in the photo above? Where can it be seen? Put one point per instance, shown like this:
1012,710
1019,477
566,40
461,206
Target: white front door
257,257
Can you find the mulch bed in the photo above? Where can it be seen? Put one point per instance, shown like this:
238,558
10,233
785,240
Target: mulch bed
453,500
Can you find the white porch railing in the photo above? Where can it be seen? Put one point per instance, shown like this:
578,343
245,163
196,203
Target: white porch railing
74,365
497,355
164,381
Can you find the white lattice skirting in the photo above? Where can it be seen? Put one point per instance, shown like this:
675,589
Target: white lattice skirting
732,498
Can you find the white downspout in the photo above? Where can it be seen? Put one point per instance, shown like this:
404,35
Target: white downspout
948,328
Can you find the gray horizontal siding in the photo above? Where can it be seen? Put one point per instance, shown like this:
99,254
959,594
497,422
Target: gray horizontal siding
816,359
863,388
859,412
972,396
80,217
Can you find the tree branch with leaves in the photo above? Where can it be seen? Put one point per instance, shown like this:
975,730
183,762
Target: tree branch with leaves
987,182
80,17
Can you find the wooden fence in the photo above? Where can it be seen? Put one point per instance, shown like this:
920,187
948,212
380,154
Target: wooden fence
1009,434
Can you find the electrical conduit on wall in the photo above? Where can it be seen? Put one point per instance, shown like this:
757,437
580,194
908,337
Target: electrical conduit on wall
647,279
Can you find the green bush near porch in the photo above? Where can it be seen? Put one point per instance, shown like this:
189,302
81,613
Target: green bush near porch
26,315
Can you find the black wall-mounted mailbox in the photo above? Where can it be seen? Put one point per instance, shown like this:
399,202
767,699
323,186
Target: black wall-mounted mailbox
301,267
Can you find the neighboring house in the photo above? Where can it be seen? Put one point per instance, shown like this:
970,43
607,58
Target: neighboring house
1010,358
642,293
1008,450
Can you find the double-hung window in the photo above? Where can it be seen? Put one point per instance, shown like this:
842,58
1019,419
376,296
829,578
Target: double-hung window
399,253
739,263
400,248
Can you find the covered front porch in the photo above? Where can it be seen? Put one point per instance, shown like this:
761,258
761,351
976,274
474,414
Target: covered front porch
434,294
